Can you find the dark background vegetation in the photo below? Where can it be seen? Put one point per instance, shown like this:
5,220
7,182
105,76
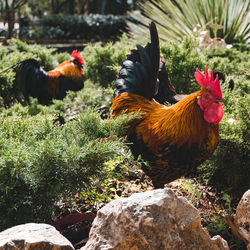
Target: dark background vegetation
59,17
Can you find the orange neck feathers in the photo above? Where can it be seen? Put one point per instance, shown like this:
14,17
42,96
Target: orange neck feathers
67,69
181,123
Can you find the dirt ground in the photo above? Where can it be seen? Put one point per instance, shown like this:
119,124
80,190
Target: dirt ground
213,206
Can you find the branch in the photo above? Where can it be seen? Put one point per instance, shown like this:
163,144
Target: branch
229,220
7,4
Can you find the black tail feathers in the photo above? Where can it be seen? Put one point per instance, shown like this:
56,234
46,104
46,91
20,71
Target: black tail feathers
140,70
31,79
166,91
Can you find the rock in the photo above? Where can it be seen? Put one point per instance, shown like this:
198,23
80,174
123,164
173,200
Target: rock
33,236
152,220
242,218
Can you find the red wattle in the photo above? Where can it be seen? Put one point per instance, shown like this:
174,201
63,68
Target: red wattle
213,113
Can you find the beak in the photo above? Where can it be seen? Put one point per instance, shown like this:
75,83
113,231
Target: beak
221,101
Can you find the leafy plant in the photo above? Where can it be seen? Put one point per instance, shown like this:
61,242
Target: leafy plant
177,19
194,192
182,60
104,61
42,163
93,26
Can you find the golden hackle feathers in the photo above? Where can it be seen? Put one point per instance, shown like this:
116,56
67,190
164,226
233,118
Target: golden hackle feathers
159,124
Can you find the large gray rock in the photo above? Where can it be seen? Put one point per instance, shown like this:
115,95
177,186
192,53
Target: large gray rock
33,236
151,220
242,218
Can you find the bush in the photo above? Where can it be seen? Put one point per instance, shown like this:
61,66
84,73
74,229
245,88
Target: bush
40,163
181,63
104,61
93,26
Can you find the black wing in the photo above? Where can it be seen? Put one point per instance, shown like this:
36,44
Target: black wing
66,84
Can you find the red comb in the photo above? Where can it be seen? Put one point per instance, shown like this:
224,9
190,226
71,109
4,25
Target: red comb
209,83
76,54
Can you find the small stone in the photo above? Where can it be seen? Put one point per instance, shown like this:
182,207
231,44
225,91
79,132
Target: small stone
33,236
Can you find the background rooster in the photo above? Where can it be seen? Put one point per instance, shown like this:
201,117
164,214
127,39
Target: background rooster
176,139
34,81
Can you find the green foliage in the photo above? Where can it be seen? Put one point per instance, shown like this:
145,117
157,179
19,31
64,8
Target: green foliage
191,188
41,162
93,26
231,61
181,63
42,54
103,61
105,191
177,19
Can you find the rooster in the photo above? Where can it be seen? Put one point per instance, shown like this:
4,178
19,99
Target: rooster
34,81
174,140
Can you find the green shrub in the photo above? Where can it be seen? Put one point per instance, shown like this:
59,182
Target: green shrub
181,63
40,163
93,26
104,61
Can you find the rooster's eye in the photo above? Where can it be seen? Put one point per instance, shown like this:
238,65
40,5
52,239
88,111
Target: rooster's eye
75,61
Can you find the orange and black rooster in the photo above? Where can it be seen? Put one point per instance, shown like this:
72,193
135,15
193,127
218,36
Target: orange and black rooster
34,81
176,139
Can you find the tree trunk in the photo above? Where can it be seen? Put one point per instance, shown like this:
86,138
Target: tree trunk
52,7
10,17
86,7
10,14
71,7
10,22
78,7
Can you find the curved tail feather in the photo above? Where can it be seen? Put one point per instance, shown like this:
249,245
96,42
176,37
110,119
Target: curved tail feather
140,70
31,79
166,91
